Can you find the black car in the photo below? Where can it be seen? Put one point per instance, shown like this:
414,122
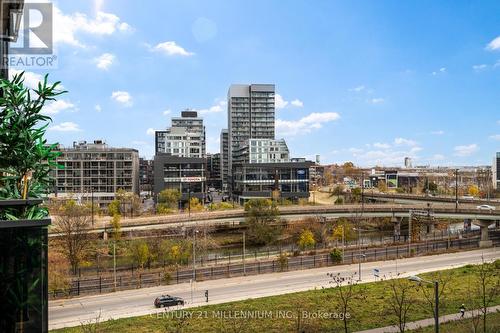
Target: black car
167,300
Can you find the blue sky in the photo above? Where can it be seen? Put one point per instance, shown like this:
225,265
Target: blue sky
365,81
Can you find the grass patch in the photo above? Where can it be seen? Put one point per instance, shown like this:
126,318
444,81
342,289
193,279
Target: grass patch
465,326
370,309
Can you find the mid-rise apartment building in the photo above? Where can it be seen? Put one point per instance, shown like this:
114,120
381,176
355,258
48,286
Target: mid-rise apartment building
185,138
213,171
145,175
262,151
97,171
224,157
180,157
285,180
186,174
251,113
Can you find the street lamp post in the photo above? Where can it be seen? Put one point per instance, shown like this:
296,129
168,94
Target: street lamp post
359,265
436,298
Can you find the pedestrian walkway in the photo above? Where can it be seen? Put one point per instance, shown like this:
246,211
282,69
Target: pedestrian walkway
428,322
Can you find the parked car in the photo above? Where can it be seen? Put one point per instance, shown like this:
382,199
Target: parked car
486,207
167,300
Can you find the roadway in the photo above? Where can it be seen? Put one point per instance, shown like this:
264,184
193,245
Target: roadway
295,213
72,312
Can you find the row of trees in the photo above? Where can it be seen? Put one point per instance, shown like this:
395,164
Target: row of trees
404,296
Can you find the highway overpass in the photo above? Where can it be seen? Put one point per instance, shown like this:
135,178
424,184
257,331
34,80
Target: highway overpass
294,213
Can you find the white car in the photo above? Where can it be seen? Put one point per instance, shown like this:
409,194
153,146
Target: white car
486,207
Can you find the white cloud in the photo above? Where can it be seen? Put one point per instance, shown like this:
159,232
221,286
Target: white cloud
167,112
171,48
494,44
441,70
358,88
298,103
378,100
497,64
384,155
150,131
216,108
122,97
495,137
66,127
98,108
57,106
479,68
439,132
104,61
67,27
466,150
279,102
381,145
305,124
405,142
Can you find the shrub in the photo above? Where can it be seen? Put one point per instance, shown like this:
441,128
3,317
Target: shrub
336,255
283,261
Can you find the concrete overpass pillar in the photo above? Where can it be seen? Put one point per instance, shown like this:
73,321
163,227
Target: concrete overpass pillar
396,221
485,240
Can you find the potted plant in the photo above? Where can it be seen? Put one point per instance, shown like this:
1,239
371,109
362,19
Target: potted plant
26,161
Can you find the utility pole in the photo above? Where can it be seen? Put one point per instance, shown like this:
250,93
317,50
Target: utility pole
343,243
189,200
194,256
362,190
244,267
92,203
409,232
456,189
114,263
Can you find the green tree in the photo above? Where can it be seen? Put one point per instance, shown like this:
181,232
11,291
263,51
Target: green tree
114,208
139,251
129,203
306,239
260,215
116,225
343,227
356,194
336,255
168,200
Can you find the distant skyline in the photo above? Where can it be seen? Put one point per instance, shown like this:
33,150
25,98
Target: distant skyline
368,82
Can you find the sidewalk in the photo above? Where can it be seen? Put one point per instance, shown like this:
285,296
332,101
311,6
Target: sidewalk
426,322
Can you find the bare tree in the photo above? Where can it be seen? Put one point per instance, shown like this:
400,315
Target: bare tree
347,292
488,285
401,299
73,224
